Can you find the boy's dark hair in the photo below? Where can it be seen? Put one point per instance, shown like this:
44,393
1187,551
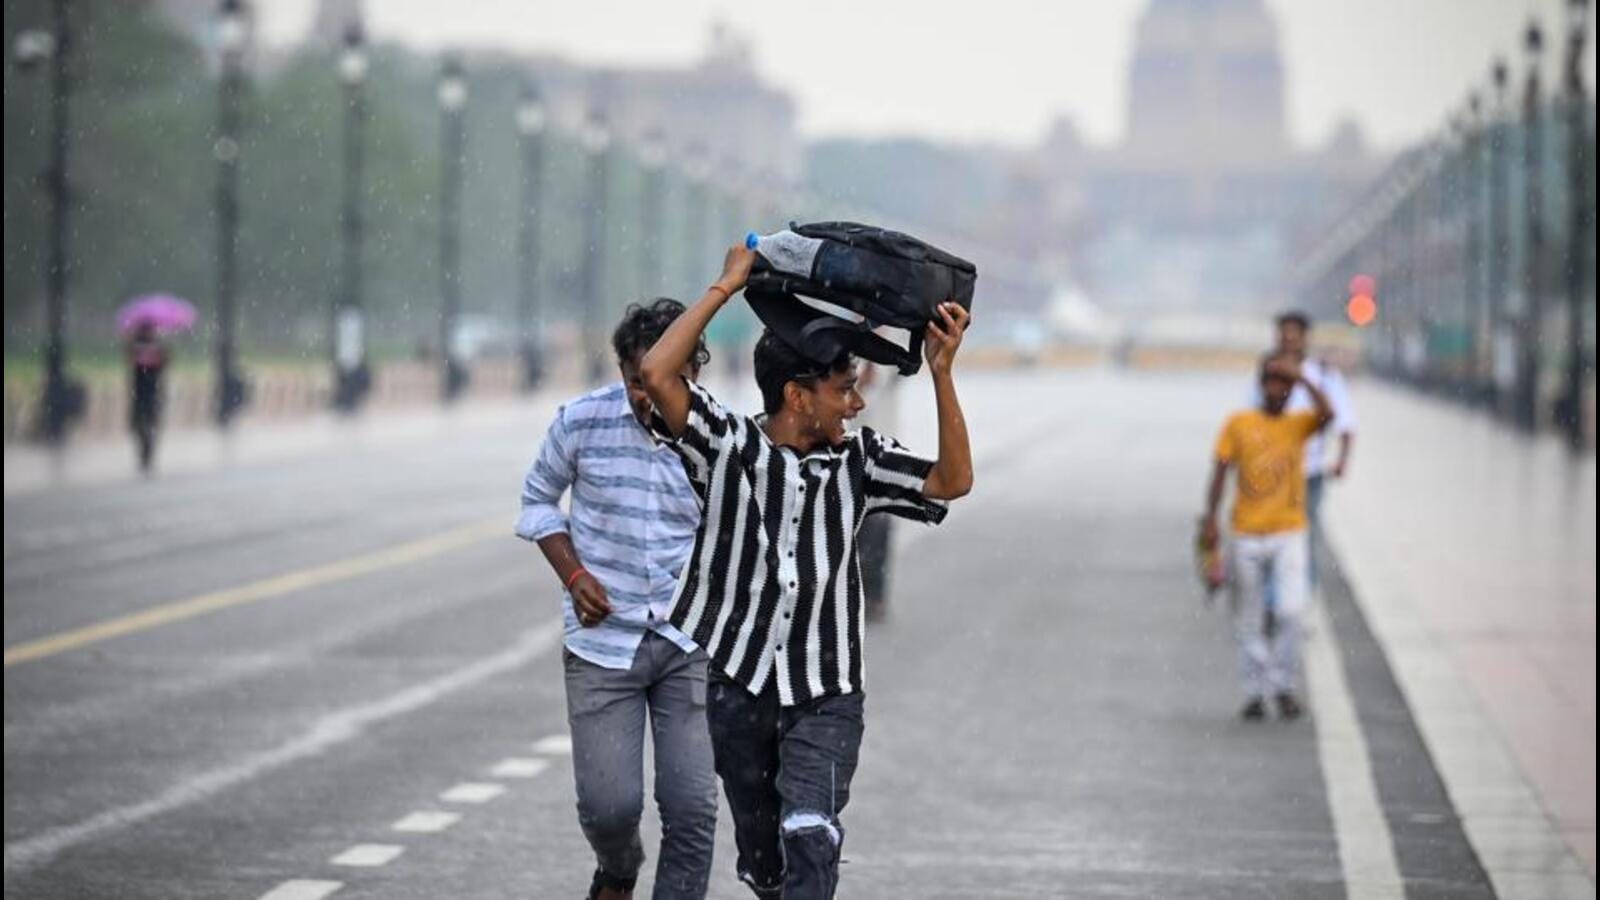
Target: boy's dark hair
644,324
777,364
1294,317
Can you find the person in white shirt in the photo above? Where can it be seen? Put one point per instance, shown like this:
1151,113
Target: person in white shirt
1294,340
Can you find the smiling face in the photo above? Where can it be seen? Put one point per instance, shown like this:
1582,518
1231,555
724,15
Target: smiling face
825,403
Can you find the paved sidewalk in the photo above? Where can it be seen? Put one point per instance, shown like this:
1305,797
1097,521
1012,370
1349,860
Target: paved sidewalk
1471,550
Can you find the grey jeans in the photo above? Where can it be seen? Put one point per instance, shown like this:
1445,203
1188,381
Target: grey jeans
606,709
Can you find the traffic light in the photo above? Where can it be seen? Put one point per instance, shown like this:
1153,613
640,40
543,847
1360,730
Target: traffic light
1362,307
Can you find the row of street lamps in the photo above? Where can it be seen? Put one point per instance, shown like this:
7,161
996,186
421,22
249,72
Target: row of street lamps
1438,232
63,397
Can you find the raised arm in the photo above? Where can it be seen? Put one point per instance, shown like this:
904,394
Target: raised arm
1319,399
952,471
660,367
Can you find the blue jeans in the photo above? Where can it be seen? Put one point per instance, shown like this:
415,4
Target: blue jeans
786,773
607,710
1314,488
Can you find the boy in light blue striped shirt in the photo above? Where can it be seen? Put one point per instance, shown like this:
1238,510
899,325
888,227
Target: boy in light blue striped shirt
618,554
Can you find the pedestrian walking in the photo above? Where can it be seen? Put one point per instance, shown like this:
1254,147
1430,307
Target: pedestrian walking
880,388
1265,447
618,554
147,360
1294,341
772,590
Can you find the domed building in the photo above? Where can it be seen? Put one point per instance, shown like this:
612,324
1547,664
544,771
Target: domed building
1206,196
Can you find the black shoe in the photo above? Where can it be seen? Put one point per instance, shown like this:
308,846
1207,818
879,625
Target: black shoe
1289,707
1254,711
602,881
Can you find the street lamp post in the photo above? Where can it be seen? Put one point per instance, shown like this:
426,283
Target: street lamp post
1531,320
1498,235
351,376
452,101
530,127
697,228
62,400
1477,255
596,140
1580,235
652,218
234,33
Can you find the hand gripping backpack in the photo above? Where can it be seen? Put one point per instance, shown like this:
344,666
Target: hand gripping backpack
883,277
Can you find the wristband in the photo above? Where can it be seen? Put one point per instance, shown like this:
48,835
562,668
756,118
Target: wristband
726,294
573,578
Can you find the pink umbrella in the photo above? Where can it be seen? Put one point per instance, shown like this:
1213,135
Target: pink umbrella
163,312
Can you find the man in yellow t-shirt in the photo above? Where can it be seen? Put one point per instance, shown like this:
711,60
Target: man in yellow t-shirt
1266,448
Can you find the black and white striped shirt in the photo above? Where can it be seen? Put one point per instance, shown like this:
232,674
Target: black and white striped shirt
772,588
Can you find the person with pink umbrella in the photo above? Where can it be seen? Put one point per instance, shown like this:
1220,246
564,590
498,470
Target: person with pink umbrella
143,321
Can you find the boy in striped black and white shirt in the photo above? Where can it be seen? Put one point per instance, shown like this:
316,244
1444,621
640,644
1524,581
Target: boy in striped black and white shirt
772,589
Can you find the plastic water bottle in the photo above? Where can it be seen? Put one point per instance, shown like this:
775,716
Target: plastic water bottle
785,251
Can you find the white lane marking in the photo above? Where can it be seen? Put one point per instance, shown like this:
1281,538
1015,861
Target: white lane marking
302,889
1366,849
519,767
369,855
554,745
426,822
473,792
1501,812
328,732
135,701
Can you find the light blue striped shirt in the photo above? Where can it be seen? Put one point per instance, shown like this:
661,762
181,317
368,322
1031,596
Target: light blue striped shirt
633,519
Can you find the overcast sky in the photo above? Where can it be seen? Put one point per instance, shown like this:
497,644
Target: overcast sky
994,70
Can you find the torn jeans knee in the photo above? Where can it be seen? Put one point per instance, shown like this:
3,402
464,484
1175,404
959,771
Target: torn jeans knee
803,820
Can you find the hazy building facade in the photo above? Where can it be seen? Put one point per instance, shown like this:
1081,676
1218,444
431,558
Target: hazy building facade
1206,196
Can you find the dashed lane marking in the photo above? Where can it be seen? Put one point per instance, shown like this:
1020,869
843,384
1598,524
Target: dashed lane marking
302,889
369,856
472,792
426,822
519,767
327,732
554,745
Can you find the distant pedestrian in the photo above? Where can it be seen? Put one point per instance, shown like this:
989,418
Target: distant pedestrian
880,387
1294,341
147,360
1265,447
618,554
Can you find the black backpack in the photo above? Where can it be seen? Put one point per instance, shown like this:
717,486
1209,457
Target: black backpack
886,277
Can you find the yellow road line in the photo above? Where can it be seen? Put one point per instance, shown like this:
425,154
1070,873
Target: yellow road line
265,589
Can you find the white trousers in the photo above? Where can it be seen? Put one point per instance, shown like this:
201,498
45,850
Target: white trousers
1268,630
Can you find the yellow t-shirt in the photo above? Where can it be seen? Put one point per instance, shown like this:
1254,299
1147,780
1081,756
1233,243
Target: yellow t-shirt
1268,453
